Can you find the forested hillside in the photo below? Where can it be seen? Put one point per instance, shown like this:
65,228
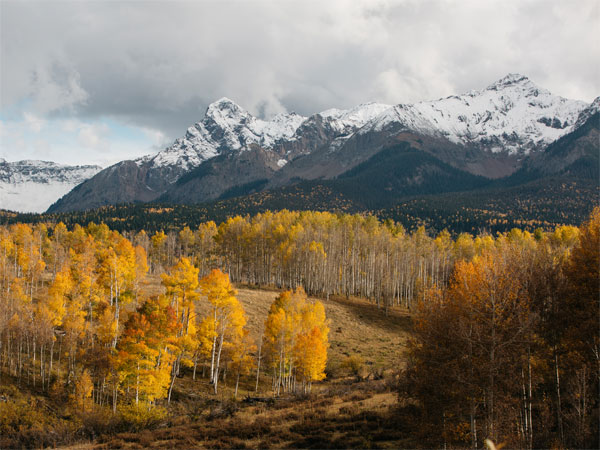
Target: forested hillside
500,206
117,332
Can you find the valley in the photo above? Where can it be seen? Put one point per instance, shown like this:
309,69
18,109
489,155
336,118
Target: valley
363,224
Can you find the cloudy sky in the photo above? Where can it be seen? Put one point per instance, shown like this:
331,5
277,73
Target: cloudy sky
102,81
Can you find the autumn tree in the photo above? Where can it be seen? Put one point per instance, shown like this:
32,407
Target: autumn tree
581,337
181,284
227,316
145,355
469,343
296,340
242,361
83,391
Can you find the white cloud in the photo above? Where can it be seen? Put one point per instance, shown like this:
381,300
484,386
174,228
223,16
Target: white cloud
157,65
35,123
157,137
93,136
56,88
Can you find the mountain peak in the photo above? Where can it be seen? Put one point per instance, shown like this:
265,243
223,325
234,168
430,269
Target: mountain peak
224,103
511,79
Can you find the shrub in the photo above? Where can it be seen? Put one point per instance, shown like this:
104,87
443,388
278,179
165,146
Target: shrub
354,364
26,423
140,417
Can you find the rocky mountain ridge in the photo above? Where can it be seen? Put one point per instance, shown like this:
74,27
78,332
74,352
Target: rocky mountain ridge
489,132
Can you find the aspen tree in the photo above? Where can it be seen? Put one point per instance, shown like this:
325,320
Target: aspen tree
242,348
227,315
145,364
181,285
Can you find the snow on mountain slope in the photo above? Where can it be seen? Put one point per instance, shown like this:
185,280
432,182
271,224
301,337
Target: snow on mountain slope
32,186
512,115
487,132
227,127
349,120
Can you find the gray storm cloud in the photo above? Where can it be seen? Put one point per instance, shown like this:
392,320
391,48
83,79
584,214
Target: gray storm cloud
159,64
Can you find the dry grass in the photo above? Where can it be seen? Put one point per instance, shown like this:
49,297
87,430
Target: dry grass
316,422
356,327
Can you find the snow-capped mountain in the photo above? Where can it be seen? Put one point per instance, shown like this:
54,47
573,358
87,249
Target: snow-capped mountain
238,148
489,132
512,115
226,127
32,186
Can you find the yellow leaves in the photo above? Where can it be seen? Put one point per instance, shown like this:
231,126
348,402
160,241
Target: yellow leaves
141,263
464,247
310,353
317,248
83,391
217,288
205,336
106,327
17,290
158,239
296,335
57,295
443,241
565,235
228,318
181,282
186,237
228,314
142,361
242,347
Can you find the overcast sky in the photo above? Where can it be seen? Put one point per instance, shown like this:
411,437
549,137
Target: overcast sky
102,81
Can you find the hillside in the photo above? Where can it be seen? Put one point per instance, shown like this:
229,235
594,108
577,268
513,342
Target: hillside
405,181
361,407
545,203
139,340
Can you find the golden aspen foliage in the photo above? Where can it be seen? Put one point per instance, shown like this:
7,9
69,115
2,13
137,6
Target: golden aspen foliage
205,335
159,250
57,296
296,340
181,285
83,391
228,317
310,352
141,269
241,349
143,360
186,240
